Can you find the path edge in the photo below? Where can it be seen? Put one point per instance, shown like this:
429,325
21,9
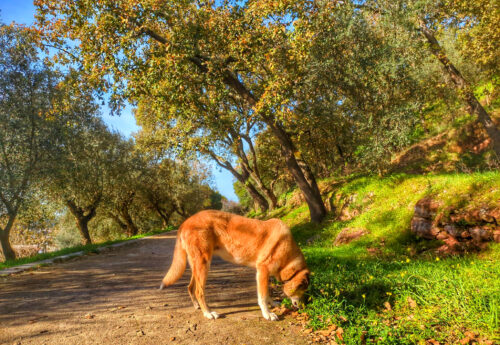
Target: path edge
62,258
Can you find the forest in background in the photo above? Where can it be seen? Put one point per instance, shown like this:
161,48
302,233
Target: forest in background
280,93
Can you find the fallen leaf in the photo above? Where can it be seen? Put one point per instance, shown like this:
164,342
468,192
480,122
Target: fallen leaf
344,319
89,316
140,333
465,341
339,333
307,331
332,327
433,342
325,332
387,306
470,334
411,302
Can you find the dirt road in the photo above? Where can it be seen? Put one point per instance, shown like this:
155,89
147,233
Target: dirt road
113,298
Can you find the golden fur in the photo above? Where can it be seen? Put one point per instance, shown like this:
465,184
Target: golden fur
266,245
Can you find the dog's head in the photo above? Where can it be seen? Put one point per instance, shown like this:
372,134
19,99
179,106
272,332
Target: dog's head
295,287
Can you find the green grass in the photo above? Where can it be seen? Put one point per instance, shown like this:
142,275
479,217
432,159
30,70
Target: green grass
89,248
430,297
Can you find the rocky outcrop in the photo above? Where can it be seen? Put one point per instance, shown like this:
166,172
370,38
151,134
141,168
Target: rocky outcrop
459,230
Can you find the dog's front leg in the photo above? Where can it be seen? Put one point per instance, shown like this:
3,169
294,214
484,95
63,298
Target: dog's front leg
263,293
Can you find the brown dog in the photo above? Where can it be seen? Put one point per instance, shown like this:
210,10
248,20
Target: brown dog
266,245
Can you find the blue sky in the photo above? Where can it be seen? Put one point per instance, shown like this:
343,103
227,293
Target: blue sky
22,12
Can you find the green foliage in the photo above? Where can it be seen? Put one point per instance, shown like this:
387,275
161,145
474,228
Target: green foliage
27,88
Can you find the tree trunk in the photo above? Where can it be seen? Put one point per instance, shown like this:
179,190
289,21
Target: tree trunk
118,221
311,193
82,219
474,107
253,171
7,250
82,224
254,193
164,215
260,189
132,229
307,185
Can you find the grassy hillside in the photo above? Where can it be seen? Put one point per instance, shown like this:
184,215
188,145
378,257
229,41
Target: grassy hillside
388,287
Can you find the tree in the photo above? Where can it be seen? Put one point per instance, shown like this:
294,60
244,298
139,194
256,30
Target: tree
427,17
464,88
157,187
27,88
83,158
180,50
126,172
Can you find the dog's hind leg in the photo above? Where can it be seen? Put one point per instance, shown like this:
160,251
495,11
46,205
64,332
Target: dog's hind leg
191,290
263,293
201,264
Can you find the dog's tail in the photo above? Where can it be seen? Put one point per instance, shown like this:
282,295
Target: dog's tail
178,265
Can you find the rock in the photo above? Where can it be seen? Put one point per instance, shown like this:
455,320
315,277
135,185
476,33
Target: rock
486,216
426,208
421,227
460,229
348,235
452,230
422,221
443,235
480,234
496,236
451,242
465,234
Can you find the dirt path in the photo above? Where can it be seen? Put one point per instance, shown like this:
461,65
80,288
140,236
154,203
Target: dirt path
113,298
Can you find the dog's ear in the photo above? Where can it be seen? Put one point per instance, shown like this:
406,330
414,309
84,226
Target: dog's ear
308,278
304,282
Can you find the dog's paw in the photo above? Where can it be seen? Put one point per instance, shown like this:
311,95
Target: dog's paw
271,317
211,315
